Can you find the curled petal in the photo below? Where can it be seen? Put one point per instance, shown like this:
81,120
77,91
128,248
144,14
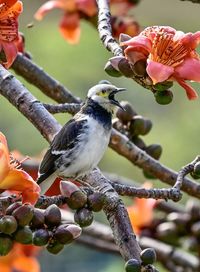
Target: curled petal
19,180
48,6
138,42
10,50
189,69
4,157
158,72
191,93
88,7
12,10
70,28
135,54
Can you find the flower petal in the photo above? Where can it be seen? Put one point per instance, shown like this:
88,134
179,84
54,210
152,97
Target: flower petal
158,72
70,28
189,69
138,42
10,51
25,264
48,6
191,93
4,157
88,7
19,180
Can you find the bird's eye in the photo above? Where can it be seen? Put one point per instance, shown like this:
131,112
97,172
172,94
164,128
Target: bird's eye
103,91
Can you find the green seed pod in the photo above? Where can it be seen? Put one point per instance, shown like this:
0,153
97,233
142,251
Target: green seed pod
125,68
12,207
83,217
77,200
148,256
139,68
23,235
23,214
41,237
96,201
133,265
111,71
197,169
52,215
38,219
8,224
6,244
137,126
154,150
163,86
139,142
127,114
63,235
54,247
163,97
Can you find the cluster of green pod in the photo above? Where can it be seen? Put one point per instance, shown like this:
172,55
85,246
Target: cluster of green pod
84,202
147,256
28,225
134,126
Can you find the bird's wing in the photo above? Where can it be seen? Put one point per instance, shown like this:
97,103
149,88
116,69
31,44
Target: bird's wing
63,142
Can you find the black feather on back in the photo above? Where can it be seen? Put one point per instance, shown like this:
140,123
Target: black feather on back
63,141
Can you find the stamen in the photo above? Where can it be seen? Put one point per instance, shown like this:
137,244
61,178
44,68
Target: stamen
16,163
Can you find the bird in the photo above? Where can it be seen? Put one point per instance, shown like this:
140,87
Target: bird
81,143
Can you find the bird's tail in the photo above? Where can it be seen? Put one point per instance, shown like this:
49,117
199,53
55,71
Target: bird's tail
46,184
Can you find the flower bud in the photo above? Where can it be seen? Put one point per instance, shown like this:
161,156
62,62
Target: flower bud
83,217
139,68
96,201
6,244
23,214
148,256
127,114
52,215
124,37
41,237
133,265
111,71
66,233
167,231
154,150
67,188
137,126
23,235
8,224
38,219
77,200
197,169
125,68
163,97
163,86
12,207
54,247
148,175
139,142
193,208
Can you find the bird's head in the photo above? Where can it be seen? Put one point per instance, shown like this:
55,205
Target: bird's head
104,95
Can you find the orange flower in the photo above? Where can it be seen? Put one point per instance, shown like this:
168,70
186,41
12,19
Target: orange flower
9,12
12,178
73,11
141,212
21,258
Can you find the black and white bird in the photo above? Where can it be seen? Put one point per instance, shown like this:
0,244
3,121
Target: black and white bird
80,144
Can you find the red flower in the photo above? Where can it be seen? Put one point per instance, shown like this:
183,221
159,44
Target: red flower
170,55
70,22
9,12
15,179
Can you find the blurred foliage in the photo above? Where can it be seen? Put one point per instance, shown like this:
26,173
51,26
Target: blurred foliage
175,126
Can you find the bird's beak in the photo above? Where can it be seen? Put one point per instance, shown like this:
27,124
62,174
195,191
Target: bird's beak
112,97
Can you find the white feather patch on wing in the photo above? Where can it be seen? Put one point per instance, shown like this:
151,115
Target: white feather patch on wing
46,184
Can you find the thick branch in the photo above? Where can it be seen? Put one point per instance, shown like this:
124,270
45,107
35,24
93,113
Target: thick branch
27,104
36,76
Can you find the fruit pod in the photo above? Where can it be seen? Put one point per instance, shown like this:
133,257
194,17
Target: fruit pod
8,224
6,244
83,217
66,233
54,247
41,237
13,207
23,214
23,235
52,215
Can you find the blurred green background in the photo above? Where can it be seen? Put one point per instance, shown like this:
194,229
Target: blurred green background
176,126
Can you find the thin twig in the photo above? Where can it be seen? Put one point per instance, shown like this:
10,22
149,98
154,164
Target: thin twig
70,108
